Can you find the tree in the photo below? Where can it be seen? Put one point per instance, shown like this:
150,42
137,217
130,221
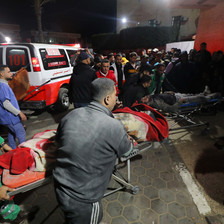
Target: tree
38,4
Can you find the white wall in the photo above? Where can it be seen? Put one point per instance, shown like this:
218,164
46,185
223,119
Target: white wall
184,45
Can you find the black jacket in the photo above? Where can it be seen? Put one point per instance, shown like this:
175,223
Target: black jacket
133,93
80,83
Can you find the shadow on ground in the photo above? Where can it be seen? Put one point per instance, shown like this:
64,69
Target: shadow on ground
209,171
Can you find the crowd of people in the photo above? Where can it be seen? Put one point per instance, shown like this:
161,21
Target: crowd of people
89,139
175,71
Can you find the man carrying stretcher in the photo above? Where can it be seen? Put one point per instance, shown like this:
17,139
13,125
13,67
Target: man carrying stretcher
89,140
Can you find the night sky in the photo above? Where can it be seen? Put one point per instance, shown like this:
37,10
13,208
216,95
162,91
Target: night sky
78,16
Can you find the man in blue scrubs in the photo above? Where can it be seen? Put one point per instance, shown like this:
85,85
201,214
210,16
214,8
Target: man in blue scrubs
10,114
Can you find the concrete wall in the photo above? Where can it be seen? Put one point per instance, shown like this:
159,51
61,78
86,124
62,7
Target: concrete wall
211,28
138,12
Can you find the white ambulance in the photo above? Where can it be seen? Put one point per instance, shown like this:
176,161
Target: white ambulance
49,69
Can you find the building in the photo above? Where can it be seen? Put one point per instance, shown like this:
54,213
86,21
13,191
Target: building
203,17
52,37
157,13
11,31
210,25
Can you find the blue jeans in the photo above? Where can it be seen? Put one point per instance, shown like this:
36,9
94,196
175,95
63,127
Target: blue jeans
16,131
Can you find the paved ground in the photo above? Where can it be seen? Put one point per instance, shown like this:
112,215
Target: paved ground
163,197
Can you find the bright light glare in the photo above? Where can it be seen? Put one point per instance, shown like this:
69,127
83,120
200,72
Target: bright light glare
77,45
124,20
7,39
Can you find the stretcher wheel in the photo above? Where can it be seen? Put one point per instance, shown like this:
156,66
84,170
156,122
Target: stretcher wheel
205,132
135,190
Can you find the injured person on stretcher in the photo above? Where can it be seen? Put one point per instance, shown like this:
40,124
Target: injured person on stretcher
34,159
171,102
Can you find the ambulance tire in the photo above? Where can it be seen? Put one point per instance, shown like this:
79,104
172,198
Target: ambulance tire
62,103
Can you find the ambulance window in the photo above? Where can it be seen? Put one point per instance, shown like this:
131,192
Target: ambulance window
71,53
53,58
16,58
72,56
1,62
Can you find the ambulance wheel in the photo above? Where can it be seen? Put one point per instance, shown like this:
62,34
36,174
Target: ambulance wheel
62,103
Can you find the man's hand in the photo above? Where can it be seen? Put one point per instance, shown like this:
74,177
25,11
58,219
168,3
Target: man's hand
145,99
3,193
22,116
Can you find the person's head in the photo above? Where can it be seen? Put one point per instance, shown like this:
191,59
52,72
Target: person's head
118,59
110,57
176,54
97,61
203,46
172,50
146,72
145,80
149,51
5,73
144,59
133,57
104,92
84,58
219,55
160,68
105,65
184,56
158,55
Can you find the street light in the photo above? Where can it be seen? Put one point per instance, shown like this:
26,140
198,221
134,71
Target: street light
7,39
124,20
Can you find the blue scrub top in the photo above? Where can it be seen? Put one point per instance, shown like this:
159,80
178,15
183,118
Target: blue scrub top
7,117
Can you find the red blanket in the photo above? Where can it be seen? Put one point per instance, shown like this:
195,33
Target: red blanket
158,129
17,160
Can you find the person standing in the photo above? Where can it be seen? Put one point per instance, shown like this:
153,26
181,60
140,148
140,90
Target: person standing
10,114
105,72
118,69
80,82
89,141
159,81
130,67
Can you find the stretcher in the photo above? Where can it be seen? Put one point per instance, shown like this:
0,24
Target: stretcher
186,106
188,110
117,176
44,147
125,182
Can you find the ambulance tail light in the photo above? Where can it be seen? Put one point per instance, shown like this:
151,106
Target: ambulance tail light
35,64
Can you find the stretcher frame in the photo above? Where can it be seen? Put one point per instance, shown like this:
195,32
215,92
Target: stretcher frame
187,110
116,174
118,177
31,186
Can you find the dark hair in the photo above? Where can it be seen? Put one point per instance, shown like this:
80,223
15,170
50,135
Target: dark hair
110,55
176,54
145,78
105,61
203,43
97,59
132,54
101,87
118,55
2,67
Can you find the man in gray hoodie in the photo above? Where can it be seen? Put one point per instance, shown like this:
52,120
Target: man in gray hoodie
90,140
